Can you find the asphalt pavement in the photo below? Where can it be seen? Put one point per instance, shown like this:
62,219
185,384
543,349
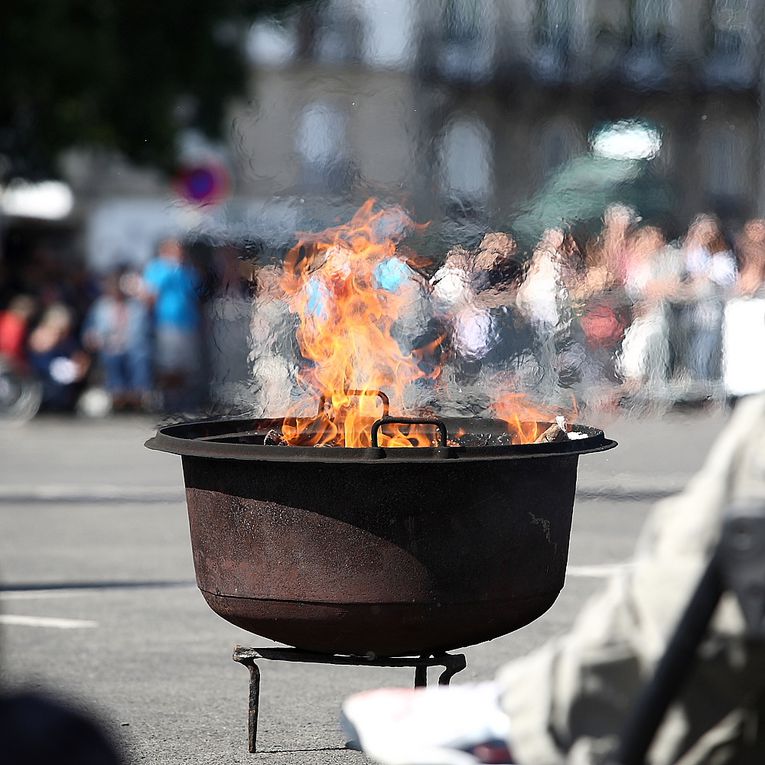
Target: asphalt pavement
98,602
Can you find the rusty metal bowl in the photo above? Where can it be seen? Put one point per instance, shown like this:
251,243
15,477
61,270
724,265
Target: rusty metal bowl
377,551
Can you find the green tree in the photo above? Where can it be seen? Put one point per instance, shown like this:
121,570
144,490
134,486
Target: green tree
119,74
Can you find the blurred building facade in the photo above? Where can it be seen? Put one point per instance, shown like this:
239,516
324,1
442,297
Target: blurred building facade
456,108
460,103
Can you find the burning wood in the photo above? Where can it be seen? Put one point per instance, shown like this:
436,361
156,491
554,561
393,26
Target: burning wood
274,438
527,422
557,432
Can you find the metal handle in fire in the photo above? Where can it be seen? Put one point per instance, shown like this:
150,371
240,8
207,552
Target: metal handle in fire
382,396
438,424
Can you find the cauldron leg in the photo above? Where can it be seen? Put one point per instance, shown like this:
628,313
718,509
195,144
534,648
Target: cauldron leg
254,705
452,665
421,673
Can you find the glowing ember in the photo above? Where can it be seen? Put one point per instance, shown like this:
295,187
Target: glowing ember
348,285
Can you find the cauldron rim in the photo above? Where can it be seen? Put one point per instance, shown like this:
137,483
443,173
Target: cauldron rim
193,439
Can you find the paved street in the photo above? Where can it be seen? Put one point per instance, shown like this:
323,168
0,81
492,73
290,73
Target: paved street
99,602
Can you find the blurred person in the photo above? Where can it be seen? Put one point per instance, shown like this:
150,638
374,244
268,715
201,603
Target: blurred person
226,318
396,275
653,276
711,275
751,251
58,359
272,355
608,256
451,284
473,336
571,349
476,293
417,330
498,276
118,329
542,290
602,307
544,300
496,261
14,328
568,700
467,326
172,288
20,391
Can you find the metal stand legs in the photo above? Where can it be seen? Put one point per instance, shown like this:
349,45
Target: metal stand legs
253,704
452,664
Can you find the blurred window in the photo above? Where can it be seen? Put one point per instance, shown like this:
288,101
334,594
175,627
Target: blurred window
340,33
554,23
733,44
725,152
463,21
649,22
466,47
729,20
271,44
322,146
389,27
465,159
645,64
559,140
550,60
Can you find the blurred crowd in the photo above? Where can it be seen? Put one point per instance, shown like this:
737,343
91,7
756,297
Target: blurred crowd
623,311
620,316
135,336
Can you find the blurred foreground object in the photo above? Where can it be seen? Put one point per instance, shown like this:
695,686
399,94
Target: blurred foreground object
569,701
38,730
572,697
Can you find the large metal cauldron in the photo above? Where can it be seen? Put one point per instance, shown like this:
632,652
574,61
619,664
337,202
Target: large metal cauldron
376,551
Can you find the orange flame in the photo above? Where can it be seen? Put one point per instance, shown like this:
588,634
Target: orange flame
525,420
346,335
346,317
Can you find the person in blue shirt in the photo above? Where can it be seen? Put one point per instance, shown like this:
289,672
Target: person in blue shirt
117,328
172,288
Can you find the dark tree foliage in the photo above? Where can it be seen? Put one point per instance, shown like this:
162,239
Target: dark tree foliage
118,74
